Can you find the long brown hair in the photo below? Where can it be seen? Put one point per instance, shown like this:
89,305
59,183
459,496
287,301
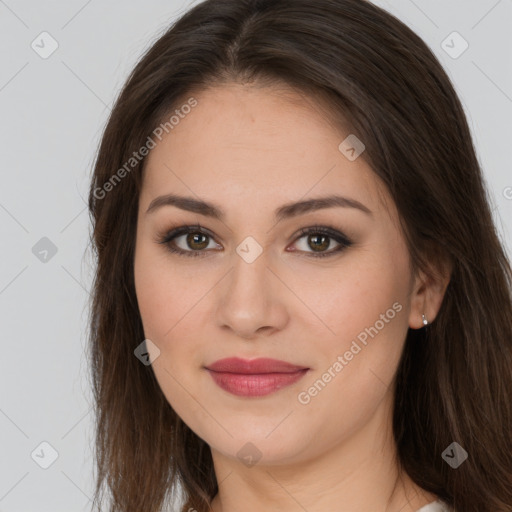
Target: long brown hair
454,381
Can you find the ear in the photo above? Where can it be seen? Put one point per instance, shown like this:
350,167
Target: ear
428,293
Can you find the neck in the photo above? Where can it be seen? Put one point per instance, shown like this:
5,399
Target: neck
358,474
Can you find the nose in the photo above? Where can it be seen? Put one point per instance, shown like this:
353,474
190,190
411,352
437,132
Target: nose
251,299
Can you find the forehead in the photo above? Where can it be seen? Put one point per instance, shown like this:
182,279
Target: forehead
255,143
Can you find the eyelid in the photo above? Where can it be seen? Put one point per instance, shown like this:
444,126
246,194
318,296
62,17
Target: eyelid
326,230
183,229
331,232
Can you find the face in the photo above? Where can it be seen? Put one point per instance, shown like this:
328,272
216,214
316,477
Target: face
328,289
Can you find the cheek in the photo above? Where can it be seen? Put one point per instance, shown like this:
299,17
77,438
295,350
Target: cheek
151,294
356,367
167,314
365,305
366,287
164,294
170,303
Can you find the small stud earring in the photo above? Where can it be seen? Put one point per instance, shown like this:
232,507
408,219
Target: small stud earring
425,321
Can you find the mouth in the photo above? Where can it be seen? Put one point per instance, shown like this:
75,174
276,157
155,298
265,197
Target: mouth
257,377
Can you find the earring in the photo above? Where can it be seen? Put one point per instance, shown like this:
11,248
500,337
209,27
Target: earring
425,321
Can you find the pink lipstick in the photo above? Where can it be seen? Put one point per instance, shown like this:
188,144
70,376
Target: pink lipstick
256,377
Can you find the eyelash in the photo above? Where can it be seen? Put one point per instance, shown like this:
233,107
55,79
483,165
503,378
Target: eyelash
328,231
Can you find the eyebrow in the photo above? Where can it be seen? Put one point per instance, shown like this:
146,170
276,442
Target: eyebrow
284,212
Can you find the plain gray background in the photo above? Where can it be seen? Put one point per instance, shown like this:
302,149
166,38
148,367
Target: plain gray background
53,111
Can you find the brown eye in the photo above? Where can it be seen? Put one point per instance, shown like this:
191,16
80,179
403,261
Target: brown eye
196,241
193,241
319,240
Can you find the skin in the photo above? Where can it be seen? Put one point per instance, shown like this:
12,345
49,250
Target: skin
250,150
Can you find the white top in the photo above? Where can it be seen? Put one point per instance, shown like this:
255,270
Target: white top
436,506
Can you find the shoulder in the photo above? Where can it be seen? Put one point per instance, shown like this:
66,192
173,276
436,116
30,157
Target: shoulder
436,506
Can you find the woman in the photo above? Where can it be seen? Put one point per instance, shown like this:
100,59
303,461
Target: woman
301,301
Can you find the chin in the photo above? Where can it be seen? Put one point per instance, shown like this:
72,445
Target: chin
256,446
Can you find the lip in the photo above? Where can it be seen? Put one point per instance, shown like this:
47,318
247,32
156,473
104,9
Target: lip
253,366
256,377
